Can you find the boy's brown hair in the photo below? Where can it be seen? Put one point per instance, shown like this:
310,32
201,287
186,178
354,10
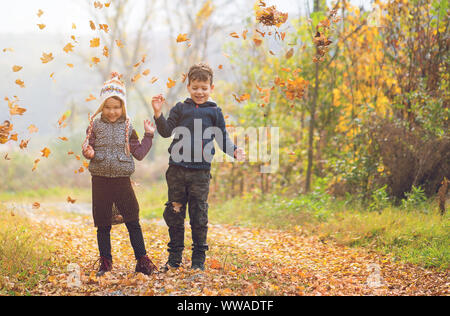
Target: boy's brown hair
200,72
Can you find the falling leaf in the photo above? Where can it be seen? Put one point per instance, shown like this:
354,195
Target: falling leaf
70,200
220,67
65,139
16,68
146,72
6,157
182,38
95,42
68,48
40,13
136,78
74,26
46,58
95,60
107,4
154,79
244,34
35,164
41,26
91,98
257,41
242,98
8,50
105,51
171,83
32,129
119,43
16,110
45,152
20,83
13,137
234,35
36,205
23,143
104,27
98,5
70,65
92,25
290,53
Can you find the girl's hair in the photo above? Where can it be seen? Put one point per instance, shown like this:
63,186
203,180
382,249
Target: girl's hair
201,72
127,128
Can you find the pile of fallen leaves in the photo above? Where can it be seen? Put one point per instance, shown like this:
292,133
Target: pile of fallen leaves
242,261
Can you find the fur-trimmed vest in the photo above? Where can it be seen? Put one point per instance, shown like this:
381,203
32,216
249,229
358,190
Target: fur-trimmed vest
110,159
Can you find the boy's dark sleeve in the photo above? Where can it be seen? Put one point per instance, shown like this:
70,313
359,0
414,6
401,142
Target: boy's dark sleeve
225,144
166,126
140,149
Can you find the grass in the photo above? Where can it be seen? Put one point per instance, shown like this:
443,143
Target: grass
416,233
24,255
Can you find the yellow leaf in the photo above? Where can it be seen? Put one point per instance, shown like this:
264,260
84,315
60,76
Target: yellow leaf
40,12
46,58
119,43
70,65
32,129
68,48
16,68
105,51
146,72
95,60
92,25
41,26
95,42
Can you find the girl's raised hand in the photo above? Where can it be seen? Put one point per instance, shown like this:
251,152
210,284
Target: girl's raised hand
149,127
88,152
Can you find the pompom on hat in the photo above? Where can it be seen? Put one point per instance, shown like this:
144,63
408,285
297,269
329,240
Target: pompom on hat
113,88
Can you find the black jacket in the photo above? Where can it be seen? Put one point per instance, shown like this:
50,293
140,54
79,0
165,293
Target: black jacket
181,123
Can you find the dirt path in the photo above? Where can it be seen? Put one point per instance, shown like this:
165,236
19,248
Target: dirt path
242,261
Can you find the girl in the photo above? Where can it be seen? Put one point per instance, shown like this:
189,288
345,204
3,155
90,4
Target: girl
109,144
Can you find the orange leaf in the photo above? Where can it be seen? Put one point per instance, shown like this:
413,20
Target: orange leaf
182,38
63,139
40,12
171,83
119,43
41,26
105,51
36,205
20,83
154,79
45,152
92,25
91,98
146,72
35,164
23,144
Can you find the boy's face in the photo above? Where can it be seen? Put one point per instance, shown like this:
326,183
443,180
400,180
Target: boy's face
112,109
200,90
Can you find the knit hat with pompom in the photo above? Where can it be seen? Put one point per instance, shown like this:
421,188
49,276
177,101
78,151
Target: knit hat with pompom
113,88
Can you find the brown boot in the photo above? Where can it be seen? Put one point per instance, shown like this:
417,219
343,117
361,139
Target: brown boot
145,265
105,266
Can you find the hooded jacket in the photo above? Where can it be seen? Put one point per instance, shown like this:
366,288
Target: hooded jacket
192,147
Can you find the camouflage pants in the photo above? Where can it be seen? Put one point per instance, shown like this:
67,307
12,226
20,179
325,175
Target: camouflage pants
187,187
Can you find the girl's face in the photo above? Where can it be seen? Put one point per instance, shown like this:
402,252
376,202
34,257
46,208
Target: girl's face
112,109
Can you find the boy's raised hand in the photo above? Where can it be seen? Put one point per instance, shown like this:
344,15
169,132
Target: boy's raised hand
157,104
149,127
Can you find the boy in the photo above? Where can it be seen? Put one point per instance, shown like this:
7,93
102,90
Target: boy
188,175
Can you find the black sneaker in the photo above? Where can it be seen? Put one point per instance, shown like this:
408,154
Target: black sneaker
169,266
198,266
